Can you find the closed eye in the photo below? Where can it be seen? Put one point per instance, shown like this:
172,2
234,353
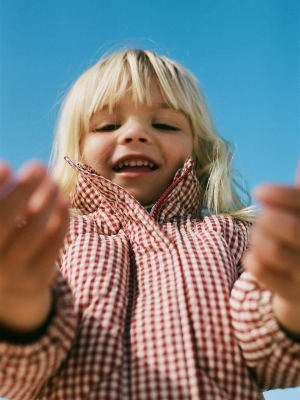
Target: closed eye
107,128
165,127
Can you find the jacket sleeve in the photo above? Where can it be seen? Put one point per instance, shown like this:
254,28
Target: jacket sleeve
269,352
273,357
25,368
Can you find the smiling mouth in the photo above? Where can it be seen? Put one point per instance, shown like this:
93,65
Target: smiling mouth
135,165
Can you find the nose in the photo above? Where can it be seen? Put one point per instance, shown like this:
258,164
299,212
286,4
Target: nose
135,132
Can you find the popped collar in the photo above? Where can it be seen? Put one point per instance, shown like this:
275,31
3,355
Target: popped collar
183,197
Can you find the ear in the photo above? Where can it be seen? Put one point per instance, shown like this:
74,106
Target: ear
297,180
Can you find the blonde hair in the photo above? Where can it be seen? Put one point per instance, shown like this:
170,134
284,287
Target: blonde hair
108,81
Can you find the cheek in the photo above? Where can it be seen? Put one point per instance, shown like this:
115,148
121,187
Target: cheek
189,149
91,150
183,149
86,153
178,155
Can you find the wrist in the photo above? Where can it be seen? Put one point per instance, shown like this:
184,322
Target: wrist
288,314
25,313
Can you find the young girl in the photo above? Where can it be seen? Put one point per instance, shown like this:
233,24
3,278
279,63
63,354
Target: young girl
148,302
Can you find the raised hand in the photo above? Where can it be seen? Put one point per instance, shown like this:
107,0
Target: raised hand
274,255
33,222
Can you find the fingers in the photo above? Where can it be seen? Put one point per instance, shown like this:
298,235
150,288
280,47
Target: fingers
277,279
15,192
4,172
28,251
56,233
274,264
280,225
272,252
287,197
39,268
27,239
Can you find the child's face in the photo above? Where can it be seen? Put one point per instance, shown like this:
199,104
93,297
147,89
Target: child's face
139,147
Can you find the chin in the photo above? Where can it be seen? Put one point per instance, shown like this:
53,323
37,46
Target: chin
145,201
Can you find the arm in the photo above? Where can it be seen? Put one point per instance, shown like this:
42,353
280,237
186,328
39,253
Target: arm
28,279
33,222
274,257
266,300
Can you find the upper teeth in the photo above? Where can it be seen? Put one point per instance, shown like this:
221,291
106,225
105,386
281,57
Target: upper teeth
135,163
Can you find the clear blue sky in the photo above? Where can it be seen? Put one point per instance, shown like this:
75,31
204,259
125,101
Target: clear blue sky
245,53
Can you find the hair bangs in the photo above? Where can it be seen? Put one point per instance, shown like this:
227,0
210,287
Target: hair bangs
133,72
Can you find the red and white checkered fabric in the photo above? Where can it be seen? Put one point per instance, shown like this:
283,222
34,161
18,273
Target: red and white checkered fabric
152,296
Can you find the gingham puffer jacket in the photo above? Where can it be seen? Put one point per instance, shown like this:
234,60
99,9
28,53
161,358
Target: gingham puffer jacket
151,307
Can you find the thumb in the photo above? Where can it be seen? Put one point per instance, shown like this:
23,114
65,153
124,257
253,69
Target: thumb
297,179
